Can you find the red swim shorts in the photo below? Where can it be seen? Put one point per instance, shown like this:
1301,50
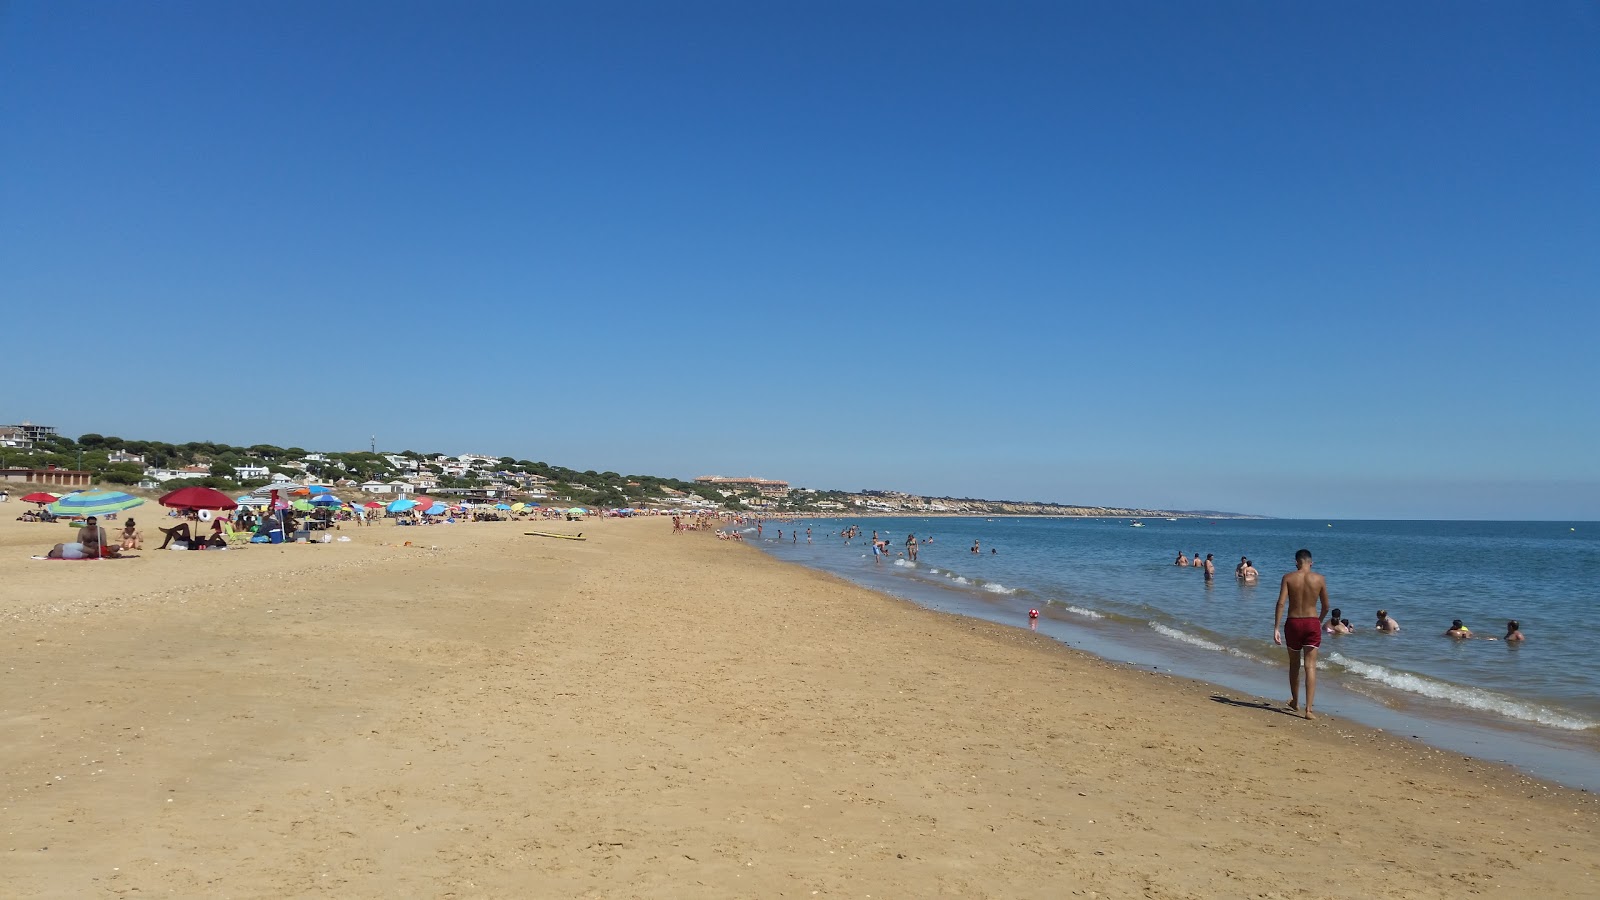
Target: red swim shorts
1302,632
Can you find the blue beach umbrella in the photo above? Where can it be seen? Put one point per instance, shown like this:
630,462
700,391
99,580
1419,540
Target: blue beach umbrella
401,505
319,489
438,509
502,506
93,503
325,499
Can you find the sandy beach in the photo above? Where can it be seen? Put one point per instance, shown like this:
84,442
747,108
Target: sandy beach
487,714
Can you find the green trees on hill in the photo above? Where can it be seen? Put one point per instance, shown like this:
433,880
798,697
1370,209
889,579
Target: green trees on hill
223,461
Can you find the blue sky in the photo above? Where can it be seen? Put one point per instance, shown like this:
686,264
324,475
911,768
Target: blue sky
1327,261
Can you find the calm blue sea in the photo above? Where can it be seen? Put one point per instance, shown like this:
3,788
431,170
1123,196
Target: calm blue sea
1112,589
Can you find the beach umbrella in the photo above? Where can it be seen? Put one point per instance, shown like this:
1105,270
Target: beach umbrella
319,489
373,504
424,501
94,503
438,509
578,511
401,505
518,506
282,487
253,501
502,506
41,498
197,497
326,500
302,505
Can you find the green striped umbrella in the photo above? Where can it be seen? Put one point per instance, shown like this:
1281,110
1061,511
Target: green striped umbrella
93,503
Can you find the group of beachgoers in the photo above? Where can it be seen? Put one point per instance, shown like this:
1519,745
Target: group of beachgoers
1245,571
1304,595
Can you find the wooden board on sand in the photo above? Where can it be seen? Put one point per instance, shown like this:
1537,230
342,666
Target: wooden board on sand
569,537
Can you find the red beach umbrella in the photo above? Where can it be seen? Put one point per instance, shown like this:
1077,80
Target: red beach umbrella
424,501
197,497
374,505
41,498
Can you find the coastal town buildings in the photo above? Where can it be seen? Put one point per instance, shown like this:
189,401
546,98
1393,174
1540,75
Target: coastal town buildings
28,433
51,475
767,487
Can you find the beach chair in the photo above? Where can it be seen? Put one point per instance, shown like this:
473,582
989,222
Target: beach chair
234,536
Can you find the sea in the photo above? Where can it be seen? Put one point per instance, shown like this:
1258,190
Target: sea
1109,586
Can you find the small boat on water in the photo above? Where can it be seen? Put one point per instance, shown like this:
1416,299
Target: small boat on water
1137,525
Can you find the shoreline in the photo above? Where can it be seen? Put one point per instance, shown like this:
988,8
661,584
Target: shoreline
1516,731
648,714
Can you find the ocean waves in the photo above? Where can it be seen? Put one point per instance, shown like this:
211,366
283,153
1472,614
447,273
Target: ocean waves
1470,697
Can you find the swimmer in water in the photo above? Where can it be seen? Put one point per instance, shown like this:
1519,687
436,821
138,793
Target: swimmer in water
1457,630
975,547
1386,624
1514,631
1181,560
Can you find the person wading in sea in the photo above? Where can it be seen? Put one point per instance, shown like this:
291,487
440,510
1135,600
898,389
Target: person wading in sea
1306,594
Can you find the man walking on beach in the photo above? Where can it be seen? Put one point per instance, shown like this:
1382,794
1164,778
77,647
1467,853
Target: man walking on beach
1306,593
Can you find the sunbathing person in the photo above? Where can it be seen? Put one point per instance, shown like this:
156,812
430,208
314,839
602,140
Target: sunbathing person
178,532
132,538
91,544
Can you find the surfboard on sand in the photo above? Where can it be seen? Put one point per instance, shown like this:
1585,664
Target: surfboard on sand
569,537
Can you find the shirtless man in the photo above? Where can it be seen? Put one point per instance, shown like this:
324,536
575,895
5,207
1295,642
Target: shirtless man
89,544
1181,560
1211,567
1386,624
1306,594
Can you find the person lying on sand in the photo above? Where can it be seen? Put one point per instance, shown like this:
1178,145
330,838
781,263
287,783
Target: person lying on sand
91,544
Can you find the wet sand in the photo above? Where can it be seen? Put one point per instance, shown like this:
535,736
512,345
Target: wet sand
651,715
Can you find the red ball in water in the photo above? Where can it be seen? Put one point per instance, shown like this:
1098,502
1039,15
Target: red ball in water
1033,614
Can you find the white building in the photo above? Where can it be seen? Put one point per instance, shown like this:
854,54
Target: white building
251,472
118,456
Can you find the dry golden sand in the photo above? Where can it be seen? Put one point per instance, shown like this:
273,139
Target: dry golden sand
650,715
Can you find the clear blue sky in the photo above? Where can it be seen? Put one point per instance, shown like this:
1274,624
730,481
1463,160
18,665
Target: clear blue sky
1322,260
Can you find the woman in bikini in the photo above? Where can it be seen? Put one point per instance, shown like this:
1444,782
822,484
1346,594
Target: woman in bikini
132,539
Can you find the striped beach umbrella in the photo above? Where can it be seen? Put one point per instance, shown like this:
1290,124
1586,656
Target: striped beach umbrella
93,503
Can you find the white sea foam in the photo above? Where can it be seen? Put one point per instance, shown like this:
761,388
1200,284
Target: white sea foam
1472,698
1202,643
995,587
905,562
1087,613
958,579
1187,638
